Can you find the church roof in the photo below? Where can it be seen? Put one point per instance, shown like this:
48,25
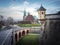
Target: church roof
29,18
41,8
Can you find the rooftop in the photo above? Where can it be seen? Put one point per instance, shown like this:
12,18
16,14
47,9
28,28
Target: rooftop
29,18
41,8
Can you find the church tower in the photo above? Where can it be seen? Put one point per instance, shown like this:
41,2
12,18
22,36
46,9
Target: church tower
24,15
42,13
42,16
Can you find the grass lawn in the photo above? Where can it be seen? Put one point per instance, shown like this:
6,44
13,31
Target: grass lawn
29,40
28,25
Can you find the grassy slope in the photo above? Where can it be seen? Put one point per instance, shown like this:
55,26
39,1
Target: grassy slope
29,40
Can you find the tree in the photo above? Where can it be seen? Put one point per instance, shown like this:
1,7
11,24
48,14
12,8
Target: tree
10,20
1,21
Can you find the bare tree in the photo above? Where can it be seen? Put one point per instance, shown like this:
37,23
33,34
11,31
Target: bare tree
9,20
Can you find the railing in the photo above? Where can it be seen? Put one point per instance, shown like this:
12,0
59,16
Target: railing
33,29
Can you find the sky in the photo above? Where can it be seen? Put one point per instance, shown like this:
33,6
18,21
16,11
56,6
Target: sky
15,8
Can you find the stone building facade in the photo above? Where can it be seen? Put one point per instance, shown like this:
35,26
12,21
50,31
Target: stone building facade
50,27
51,35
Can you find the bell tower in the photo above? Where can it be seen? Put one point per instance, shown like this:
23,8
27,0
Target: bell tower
42,16
42,13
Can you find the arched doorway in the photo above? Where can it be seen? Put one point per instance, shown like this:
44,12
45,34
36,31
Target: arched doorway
19,34
16,37
23,33
27,31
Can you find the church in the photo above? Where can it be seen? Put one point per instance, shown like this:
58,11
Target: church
51,25
28,18
41,14
31,19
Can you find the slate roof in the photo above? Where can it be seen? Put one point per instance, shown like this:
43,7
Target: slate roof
41,8
53,16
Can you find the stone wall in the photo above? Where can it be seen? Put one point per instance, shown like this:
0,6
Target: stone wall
51,35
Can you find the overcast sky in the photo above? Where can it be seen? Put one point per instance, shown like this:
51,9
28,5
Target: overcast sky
15,8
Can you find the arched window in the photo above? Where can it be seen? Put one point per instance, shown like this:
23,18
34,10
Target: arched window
42,13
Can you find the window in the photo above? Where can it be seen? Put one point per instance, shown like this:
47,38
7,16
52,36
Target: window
42,12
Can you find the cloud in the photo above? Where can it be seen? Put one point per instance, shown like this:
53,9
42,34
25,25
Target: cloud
51,10
13,12
16,11
26,2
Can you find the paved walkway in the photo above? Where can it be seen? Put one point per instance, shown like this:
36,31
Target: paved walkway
33,34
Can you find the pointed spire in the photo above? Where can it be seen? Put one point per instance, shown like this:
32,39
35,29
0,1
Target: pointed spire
28,13
41,8
41,5
24,12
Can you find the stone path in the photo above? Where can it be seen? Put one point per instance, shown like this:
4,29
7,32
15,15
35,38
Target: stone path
33,34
